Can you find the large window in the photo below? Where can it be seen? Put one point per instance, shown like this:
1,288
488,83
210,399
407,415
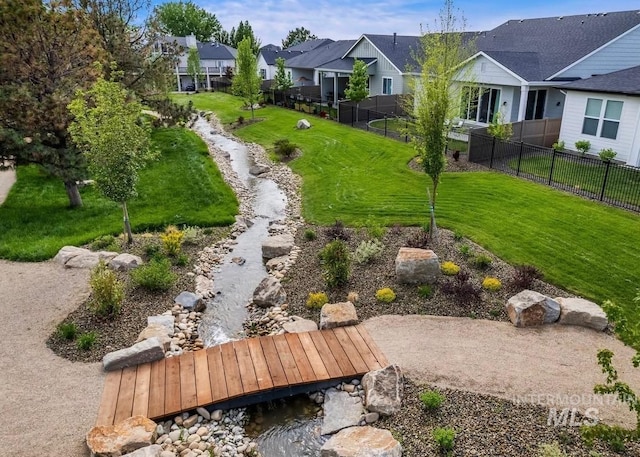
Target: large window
535,104
479,103
263,73
387,86
602,119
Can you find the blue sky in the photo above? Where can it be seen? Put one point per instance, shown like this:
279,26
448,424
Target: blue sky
348,19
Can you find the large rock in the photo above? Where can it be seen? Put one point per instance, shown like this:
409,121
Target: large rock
259,169
578,311
362,442
269,293
273,263
190,301
124,262
299,325
74,257
277,246
417,266
146,351
338,315
67,253
155,331
122,438
303,124
166,320
341,410
155,450
529,308
383,390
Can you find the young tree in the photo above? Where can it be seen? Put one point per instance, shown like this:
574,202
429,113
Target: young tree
117,145
357,90
243,31
297,36
246,83
436,97
282,81
499,129
193,66
184,18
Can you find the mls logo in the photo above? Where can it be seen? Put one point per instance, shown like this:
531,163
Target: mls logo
571,417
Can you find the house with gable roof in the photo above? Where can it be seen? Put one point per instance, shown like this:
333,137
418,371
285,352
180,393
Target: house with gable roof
268,54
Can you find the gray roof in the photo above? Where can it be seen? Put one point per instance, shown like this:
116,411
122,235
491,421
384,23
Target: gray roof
401,53
345,64
620,82
271,55
310,45
216,51
321,55
536,49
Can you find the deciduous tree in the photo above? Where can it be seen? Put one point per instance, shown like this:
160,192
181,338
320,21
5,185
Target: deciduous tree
357,89
184,18
247,82
243,31
297,36
281,81
193,66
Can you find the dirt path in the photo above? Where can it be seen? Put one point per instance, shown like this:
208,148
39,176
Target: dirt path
7,178
498,359
47,404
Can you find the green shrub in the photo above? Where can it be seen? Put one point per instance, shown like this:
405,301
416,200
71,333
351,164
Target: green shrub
607,155
67,330
457,235
317,300
482,261
558,146
336,263
310,235
152,250
431,399
449,268
583,146
444,438
491,284
107,291
425,291
172,240
104,243
375,230
368,250
155,275
283,148
191,235
87,340
465,250
385,295
181,260
551,450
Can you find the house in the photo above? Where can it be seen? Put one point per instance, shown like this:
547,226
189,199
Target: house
268,54
605,110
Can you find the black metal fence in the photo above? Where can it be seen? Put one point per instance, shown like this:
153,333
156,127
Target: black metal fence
609,182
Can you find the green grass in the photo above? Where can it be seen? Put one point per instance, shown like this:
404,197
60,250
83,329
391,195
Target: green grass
400,125
226,107
183,187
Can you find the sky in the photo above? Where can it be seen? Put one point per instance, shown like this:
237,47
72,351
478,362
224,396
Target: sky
348,19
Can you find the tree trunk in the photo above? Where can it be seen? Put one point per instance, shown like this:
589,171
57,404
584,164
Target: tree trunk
75,200
433,231
127,225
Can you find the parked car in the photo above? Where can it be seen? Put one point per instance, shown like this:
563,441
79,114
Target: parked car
190,87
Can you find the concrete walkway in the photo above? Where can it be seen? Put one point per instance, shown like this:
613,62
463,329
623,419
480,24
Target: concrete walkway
7,179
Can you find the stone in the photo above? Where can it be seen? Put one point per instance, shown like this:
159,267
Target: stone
529,308
155,331
125,262
164,320
303,124
585,313
277,246
145,351
370,418
155,450
190,301
204,412
273,263
67,253
341,410
167,454
383,390
190,421
269,293
175,435
259,169
338,315
417,266
299,325
362,442
74,257
239,260
216,415
124,437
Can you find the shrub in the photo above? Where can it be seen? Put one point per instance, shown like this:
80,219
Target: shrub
375,230
449,268
67,330
106,242
172,240
152,250
106,289
583,146
240,120
551,450
465,250
337,231
444,438
353,297
425,291
431,399
482,261
181,260
368,250
524,275
457,236
191,235
558,146
310,235
317,300
284,148
419,240
87,340
460,287
155,275
336,263
491,284
385,295
607,155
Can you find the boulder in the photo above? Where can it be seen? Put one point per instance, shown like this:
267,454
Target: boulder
273,263
417,266
155,331
338,315
155,450
122,438
341,410
190,301
362,442
166,320
74,257
529,308
145,351
259,169
125,262
299,325
578,311
67,252
303,124
383,390
277,246
269,293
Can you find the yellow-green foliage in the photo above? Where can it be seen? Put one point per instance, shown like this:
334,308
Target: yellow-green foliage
491,284
172,240
107,291
449,268
385,295
317,300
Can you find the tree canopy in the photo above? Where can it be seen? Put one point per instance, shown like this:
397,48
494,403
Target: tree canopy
193,66
244,30
184,18
282,80
246,83
297,36
357,89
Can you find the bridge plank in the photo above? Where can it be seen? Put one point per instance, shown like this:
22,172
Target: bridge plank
373,347
304,367
141,394
341,357
313,355
172,402
125,395
248,374
216,374
349,348
325,353
109,401
259,364
203,385
363,349
273,362
231,370
288,362
188,396
156,389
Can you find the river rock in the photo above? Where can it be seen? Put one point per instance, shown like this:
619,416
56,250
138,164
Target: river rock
125,262
155,331
146,351
269,293
273,263
303,124
124,437
341,410
362,442
578,311
277,246
165,320
155,450
190,301
383,390
338,315
259,169
74,257
529,308
299,325
417,266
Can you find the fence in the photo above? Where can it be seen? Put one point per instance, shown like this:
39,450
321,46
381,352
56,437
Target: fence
540,132
609,182
372,108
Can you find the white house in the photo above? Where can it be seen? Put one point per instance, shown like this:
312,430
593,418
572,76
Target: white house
268,55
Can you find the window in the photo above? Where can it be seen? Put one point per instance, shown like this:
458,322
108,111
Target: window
387,86
602,119
479,103
263,73
535,104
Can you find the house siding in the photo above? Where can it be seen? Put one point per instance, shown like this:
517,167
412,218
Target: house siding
262,65
552,109
485,72
383,68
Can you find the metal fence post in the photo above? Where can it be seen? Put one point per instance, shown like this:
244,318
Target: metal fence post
352,116
604,181
493,150
520,158
553,162
406,131
385,124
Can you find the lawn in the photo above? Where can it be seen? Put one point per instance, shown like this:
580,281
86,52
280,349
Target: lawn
355,176
183,187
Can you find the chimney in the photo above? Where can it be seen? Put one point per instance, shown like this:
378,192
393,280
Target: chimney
395,36
191,41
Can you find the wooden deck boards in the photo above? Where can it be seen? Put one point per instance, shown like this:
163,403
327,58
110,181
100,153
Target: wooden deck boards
240,368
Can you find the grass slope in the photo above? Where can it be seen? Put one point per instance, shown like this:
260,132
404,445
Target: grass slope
183,187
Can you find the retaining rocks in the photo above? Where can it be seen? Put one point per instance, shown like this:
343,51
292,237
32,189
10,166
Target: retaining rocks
417,266
277,246
338,315
146,351
269,293
581,312
341,410
383,390
122,438
529,308
362,442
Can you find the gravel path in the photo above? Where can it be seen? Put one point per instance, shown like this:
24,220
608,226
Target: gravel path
498,359
7,178
47,404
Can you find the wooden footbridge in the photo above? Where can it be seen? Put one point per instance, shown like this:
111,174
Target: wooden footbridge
239,373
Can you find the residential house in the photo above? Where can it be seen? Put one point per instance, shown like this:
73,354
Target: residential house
605,110
268,54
